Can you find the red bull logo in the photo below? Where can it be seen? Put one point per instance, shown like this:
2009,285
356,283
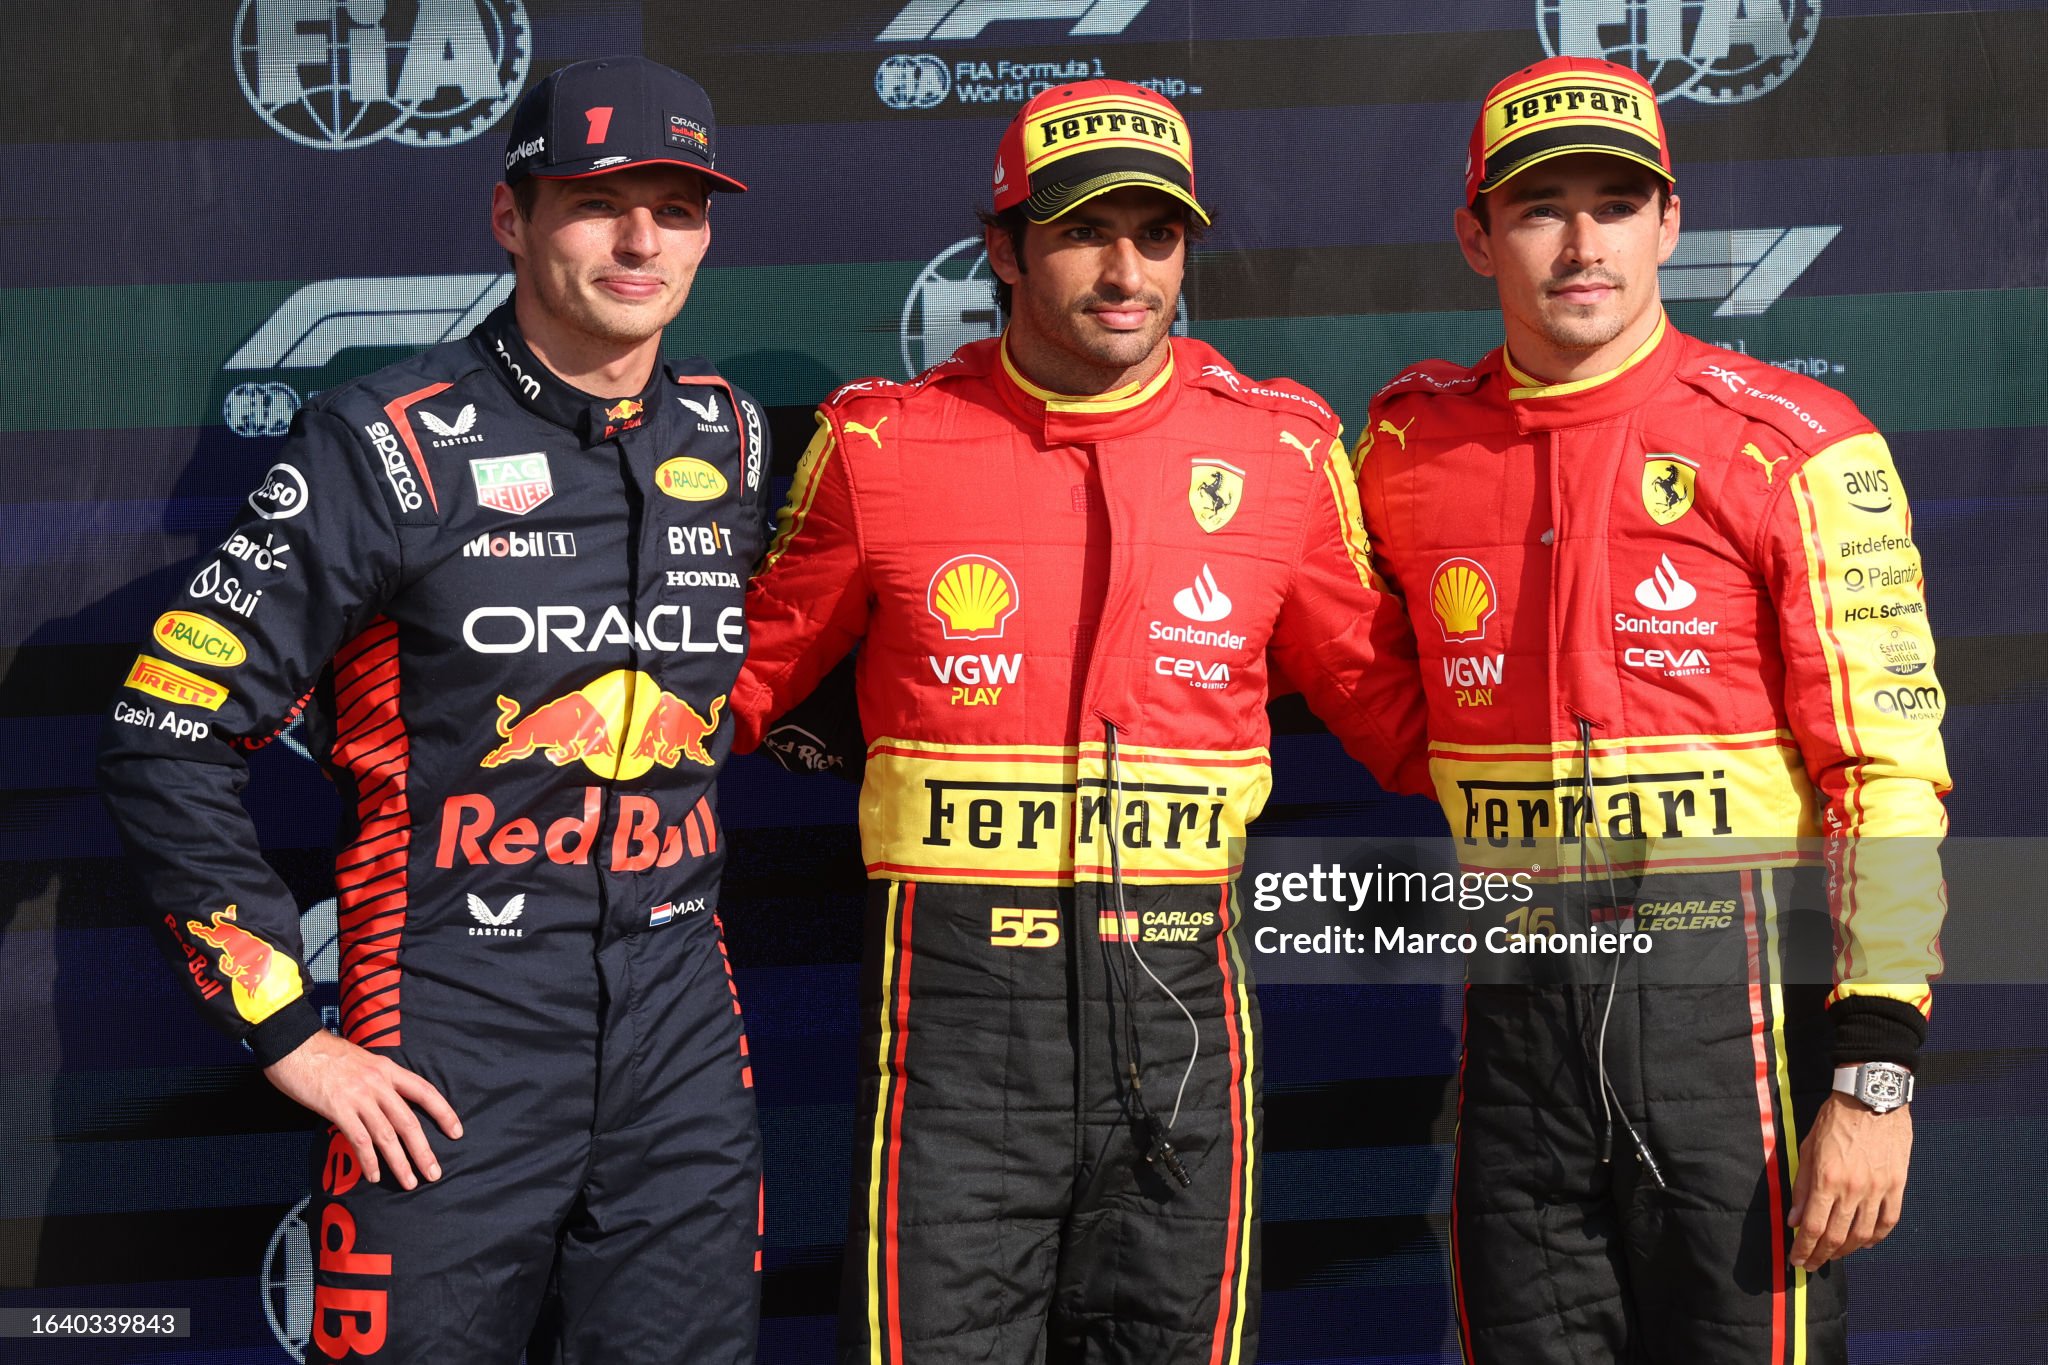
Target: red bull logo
623,415
472,835
619,726
262,979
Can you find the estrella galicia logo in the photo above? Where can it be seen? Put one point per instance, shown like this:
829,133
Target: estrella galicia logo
1713,51
340,74
907,82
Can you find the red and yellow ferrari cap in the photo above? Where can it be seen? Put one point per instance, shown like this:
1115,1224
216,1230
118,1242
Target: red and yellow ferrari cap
1560,106
1074,142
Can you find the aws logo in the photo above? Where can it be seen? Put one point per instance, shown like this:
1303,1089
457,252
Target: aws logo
1462,597
973,597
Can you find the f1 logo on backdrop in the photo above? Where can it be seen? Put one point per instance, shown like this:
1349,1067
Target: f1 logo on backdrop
341,74
1713,51
944,20
327,317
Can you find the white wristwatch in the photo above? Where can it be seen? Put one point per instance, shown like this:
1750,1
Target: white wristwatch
1879,1086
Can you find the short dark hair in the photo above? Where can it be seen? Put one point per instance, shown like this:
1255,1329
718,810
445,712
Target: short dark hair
1012,223
1485,216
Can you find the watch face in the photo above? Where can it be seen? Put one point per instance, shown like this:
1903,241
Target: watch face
1883,1087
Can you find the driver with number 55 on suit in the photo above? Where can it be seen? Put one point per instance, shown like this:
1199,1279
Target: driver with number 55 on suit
1065,554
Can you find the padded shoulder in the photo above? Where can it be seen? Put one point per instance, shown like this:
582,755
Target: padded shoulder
1807,413
1208,370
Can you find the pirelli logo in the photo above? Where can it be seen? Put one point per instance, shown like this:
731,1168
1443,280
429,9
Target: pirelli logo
1053,816
161,678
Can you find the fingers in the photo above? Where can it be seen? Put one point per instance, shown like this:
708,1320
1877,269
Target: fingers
385,1136
1890,1209
421,1092
1833,1234
412,1137
358,1137
1812,1221
1863,1230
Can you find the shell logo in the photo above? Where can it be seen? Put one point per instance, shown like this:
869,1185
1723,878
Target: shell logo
973,597
690,479
1461,594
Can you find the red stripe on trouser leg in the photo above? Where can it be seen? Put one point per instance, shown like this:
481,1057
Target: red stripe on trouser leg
1224,1298
892,1305
1457,1156
1760,1051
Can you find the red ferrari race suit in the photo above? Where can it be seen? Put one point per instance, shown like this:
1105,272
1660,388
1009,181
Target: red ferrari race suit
1066,606
1675,650
509,613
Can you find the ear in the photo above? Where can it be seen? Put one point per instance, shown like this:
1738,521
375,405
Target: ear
1474,241
1667,231
507,224
1002,255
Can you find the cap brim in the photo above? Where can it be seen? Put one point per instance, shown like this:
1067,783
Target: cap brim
713,179
1057,200
1508,173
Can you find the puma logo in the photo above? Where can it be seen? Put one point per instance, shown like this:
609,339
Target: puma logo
1770,466
1400,434
1307,448
873,433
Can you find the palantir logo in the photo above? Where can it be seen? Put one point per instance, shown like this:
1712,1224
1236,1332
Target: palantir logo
913,82
339,74
1713,51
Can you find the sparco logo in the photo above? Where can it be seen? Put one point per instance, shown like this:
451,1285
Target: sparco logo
943,20
396,471
339,74
1713,51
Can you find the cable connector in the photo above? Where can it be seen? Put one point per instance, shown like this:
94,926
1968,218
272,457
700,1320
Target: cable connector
1161,1152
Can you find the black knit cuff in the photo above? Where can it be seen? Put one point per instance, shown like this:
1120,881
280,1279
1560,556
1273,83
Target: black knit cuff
1873,1028
283,1031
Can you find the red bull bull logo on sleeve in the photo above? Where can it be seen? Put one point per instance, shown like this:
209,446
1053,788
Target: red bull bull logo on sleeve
619,726
263,979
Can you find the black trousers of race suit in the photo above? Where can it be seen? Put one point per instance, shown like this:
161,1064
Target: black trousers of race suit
1003,1209
603,1205
1565,1248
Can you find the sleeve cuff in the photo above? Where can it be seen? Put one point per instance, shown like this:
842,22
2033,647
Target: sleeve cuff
1872,1028
276,1037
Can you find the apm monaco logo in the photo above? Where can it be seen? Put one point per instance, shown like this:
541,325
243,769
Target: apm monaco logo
338,76
1713,51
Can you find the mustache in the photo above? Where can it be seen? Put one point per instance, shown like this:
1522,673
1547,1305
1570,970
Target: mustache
1149,298
1606,277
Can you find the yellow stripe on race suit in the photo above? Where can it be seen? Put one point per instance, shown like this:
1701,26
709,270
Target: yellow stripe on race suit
1350,520
1249,1090
803,491
1788,1119
1870,617
1042,815
1116,400
1666,803
879,1148
1529,386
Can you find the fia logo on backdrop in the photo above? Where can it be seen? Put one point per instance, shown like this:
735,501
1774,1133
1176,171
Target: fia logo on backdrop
337,74
1713,51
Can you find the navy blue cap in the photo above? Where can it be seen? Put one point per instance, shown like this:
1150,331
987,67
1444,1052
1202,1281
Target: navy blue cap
606,115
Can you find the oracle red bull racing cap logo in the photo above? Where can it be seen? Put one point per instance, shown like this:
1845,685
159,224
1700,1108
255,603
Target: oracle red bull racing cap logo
619,726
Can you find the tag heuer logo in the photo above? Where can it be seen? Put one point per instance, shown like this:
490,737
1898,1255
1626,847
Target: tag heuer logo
512,483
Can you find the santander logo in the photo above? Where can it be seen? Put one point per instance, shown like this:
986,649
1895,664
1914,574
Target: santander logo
1202,601
1665,590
